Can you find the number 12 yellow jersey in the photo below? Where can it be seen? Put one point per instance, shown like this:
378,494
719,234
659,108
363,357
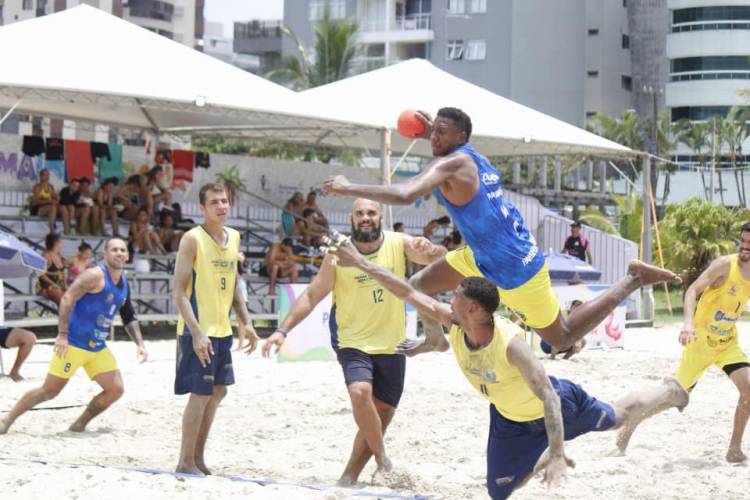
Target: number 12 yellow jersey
365,316
211,289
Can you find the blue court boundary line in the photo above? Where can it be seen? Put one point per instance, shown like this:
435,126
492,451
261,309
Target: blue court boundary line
236,479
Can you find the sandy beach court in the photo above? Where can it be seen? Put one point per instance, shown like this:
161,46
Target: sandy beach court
292,423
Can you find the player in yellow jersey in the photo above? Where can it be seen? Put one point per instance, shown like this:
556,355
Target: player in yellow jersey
529,411
205,291
709,334
366,324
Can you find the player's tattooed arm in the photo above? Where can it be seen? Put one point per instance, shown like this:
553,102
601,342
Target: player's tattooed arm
533,373
89,280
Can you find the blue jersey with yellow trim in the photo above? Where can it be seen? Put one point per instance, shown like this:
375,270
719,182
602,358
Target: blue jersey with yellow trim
91,319
504,250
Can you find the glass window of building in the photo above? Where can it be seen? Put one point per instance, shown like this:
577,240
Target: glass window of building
625,41
626,82
592,74
454,50
593,31
27,4
478,6
476,50
318,8
456,6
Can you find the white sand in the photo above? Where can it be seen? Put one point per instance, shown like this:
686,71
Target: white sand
293,423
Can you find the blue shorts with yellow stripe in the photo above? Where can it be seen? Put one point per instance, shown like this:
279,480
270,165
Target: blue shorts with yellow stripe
534,302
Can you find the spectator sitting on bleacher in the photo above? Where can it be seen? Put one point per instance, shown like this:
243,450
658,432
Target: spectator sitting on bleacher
24,340
72,207
44,200
51,284
154,190
433,226
87,199
179,221
143,237
280,263
79,262
312,230
129,196
290,215
169,235
311,204
107,206
398,227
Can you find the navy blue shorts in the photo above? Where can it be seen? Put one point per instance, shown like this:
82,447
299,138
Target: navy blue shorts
193,378
4,333
547,349
384,371
513,448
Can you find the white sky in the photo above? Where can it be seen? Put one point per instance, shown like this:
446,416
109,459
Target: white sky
229,11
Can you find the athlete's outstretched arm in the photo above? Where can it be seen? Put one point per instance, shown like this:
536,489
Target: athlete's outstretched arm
533,373
420,250
404,193
714,276
349,256
87,281
133,328
316,291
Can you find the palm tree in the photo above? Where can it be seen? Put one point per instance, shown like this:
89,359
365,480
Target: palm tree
734,131
665,142
335,46
694,135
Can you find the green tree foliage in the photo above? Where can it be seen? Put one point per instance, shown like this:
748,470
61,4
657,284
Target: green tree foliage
335,47
594,218
631,216
696,232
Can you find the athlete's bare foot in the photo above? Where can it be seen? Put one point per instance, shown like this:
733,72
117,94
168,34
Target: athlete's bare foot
202,467
15,376
346,481
677,397
3,427
77,427
188,469
650,275
577,347
735,456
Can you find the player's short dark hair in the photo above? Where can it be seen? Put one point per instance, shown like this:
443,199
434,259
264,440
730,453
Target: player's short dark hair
458,117
214,187
84,246
110,240
398,225
287,242
745,227
482,291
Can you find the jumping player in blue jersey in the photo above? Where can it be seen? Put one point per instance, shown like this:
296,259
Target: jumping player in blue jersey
86,313
499,245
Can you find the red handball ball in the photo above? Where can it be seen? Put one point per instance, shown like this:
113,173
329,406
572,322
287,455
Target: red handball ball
409,124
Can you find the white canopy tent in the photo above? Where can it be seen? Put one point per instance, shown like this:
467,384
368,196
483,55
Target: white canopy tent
501,127
86,65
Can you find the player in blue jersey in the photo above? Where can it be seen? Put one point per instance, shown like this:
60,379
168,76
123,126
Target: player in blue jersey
499,245
86,313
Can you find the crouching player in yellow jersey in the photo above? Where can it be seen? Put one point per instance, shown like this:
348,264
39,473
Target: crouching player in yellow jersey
366,324
709,334
205,291
529,411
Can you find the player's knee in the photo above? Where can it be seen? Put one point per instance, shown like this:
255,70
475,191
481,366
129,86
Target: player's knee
116,391
360,393
48,393
220,392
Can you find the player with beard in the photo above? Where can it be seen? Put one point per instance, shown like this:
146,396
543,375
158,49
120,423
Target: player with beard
709,334
499,246
366,322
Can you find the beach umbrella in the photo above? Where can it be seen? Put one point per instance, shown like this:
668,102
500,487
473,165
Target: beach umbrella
564,267
17,259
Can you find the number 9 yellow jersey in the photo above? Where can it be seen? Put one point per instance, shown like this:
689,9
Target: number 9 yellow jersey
364,315
211,289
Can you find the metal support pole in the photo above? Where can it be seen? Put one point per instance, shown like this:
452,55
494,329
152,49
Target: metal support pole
516,172
647,293
543,173
558,174
530,170
385,170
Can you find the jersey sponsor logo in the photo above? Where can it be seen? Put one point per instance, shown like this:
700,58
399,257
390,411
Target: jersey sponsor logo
722,316
489,179
498,193
110,298
222,264
530,256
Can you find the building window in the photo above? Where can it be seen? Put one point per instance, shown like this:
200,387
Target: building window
478,6
696,113
590,114
626,82
476,50
625,3
625,41
337,9
699,14
456,6
454,50
592,74
593,32
27,5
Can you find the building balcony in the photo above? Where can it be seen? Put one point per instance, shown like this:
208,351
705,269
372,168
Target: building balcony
406,28
704,93
708,43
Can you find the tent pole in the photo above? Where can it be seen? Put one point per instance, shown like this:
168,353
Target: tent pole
385,169
10,111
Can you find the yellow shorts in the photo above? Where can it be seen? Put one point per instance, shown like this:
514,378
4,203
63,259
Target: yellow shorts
93,362
535,302
698,356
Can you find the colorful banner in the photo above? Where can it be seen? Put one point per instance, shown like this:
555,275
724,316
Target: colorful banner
311,339
611,331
